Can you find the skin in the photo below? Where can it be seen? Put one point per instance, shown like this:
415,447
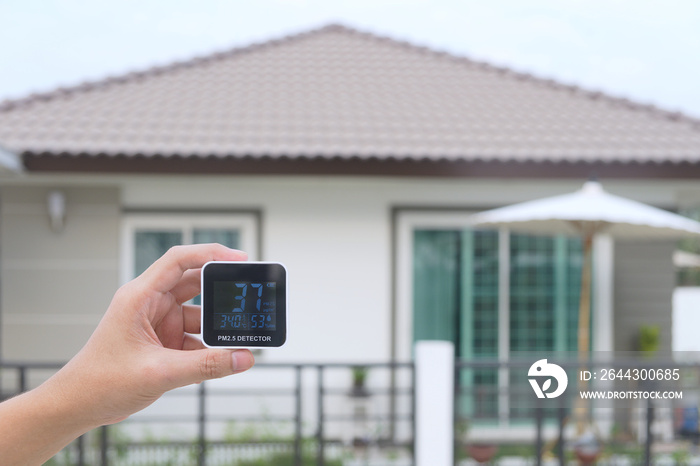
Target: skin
140,349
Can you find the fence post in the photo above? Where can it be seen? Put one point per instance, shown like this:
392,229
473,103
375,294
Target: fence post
435,366
80,443
22,379
104,446
202,421
561,411
320,434
650,435
539,419
297,417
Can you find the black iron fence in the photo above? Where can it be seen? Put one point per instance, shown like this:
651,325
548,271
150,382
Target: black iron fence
363,413
635,411
320,414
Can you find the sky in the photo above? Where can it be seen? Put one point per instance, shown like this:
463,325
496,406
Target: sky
644,50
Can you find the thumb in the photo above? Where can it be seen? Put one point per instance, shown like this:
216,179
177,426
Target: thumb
195,366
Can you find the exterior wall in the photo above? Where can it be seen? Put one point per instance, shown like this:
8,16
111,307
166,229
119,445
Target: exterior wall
333,233
643,291
334,238
55,286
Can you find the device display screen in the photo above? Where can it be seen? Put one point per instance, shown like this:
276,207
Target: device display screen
244,304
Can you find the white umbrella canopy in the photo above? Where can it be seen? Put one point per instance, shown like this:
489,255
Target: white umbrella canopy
588,211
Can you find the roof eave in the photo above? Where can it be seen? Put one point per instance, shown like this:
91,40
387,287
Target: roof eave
47,162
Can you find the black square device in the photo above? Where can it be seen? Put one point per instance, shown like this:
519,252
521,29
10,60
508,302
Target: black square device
244,304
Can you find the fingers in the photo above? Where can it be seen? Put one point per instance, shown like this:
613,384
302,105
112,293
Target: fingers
188,367
190,342
189,286
165,273
192,318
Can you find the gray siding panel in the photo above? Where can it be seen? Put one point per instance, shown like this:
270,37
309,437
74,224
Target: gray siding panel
56,285
644,284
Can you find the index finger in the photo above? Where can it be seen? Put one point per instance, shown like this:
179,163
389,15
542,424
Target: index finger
167,271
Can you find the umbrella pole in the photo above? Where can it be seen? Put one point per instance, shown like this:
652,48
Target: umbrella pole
584,324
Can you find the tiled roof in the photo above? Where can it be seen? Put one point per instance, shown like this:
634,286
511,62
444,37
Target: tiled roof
338,93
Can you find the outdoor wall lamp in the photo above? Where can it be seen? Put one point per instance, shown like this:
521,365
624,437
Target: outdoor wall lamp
56,205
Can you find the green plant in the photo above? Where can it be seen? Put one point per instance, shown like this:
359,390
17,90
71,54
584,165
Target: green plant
681,457
287,458
521,450
649,340
256,432
359,375
119,440
634,452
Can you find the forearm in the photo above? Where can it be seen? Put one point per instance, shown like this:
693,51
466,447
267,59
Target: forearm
36,425
139,351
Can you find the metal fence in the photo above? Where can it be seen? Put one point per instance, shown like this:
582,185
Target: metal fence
363,413
323,414
498,418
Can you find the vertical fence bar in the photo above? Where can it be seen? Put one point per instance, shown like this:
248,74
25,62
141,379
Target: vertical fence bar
104,445
320,434
297,417
80,443
22,379
539,415
457,396
202,440
561,411
392,400
413,411
649,436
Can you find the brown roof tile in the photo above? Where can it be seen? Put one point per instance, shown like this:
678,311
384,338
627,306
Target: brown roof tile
336,92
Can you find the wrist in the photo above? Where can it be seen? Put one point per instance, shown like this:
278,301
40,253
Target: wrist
37,425
67,403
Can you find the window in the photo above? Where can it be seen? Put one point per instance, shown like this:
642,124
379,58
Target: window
147,236
457,290
492,293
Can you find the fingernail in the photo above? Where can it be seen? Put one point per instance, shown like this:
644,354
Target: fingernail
241,360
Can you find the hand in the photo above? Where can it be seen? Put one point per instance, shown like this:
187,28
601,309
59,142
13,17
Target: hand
141,348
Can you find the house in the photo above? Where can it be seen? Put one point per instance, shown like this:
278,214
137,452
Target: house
355,160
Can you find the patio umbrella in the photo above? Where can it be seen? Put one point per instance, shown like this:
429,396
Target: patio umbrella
585,213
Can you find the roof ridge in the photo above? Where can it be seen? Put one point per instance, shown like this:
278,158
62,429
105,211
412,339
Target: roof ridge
523,76
157,70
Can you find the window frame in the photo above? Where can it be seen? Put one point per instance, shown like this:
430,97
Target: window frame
409,220
248,223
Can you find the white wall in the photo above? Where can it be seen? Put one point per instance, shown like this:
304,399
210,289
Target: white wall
334,235
644,284
686,318
334,240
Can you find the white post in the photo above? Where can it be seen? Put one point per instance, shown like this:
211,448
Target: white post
603,320
603,289
434,403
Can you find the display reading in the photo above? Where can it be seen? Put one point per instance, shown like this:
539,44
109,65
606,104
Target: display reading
245,306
